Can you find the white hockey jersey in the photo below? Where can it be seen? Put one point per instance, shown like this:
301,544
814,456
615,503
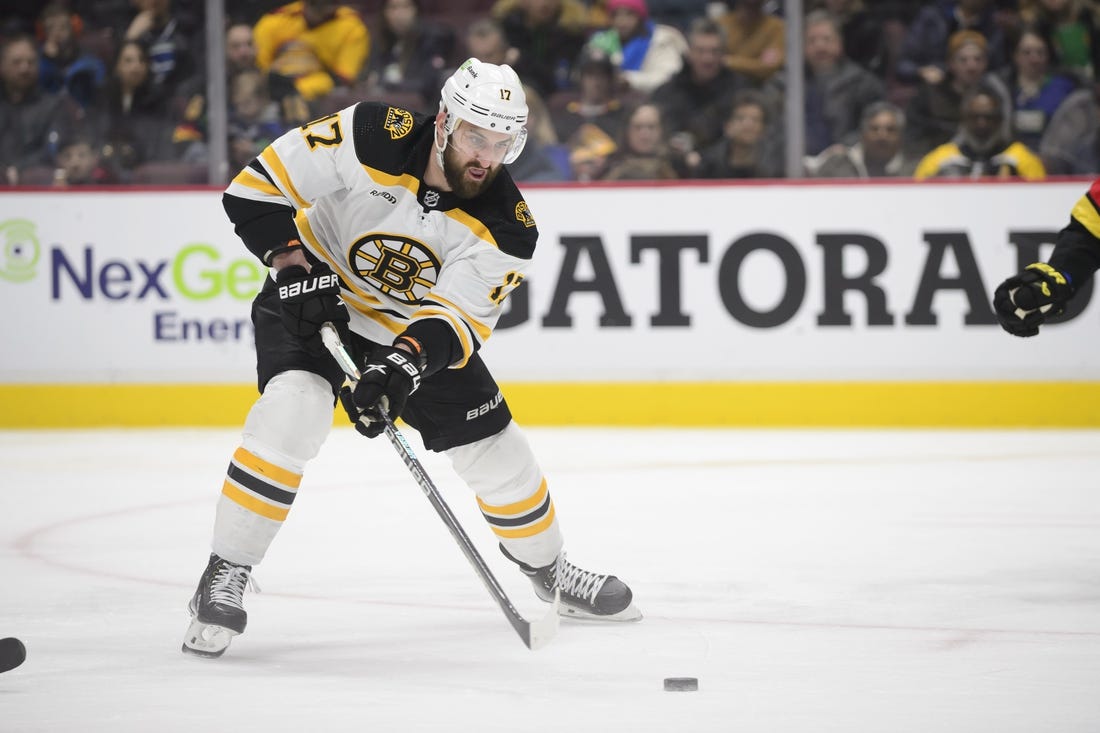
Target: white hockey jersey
410,257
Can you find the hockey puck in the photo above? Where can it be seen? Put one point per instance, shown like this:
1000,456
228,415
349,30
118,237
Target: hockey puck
681,684
12,653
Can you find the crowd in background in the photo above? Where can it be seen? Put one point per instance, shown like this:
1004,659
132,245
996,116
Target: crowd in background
114,91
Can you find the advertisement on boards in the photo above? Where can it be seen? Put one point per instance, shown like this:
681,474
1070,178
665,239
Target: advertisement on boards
683,283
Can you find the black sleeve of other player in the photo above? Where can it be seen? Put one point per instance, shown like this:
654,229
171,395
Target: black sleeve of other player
1077,254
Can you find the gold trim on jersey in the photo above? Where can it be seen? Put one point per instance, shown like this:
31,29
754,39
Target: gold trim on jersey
275,167
1085,212
483,331
367,308
456,325
253,180
412,183
473,224
393,326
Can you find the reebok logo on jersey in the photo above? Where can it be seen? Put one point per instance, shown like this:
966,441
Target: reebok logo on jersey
305,287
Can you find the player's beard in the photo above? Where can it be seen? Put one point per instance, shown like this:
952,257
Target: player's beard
455,173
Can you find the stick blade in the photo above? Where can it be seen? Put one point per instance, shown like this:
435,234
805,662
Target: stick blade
542,631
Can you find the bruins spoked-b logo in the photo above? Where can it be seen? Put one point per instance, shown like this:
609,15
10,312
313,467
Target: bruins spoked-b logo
400,267
399,122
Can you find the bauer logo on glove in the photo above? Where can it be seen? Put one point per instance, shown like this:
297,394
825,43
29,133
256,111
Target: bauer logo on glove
322,283
387,379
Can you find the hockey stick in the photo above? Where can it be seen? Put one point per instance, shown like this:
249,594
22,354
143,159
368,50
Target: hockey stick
535,634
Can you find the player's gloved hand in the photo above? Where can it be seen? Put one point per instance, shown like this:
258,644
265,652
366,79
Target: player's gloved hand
387,379
309,299
1023,302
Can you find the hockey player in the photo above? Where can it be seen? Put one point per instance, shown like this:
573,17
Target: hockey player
1024,301
407,233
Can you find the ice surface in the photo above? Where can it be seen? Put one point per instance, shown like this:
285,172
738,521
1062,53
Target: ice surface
878,581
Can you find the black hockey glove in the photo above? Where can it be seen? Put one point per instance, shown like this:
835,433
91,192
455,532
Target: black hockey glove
1023,302
389,376
309,299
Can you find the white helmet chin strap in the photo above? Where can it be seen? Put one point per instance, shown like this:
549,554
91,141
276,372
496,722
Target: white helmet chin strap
438,149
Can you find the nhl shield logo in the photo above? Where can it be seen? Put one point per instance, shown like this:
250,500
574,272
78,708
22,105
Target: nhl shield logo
399,122
431,198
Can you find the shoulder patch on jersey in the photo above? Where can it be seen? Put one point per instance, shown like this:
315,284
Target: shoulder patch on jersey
399,122
523,215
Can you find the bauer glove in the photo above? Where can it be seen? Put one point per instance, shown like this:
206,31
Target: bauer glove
309,300
387,379
1024,301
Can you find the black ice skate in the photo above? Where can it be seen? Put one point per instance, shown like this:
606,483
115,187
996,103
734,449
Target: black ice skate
584,594
217,608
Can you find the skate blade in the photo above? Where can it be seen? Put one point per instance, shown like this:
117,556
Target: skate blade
206,640
627,615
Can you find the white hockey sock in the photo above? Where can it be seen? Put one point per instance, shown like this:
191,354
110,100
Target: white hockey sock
512,494
284,430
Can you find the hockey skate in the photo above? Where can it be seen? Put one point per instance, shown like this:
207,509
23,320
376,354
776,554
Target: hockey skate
217,608
584,594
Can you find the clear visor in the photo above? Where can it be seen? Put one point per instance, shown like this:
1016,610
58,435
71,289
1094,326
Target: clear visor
486,146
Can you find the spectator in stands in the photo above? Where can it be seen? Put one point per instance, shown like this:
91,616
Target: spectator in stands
131,116
79,163
981,147
1071,142
191,114
1073,27
934,113
31,119
926,44
538,160
756,43
240,48
862,32
545,36
310,46
878,154
63,66
696,101
254,119
745,150
647,54
643,152
173,41
1036,92
410,52
597,102
837,88
678,13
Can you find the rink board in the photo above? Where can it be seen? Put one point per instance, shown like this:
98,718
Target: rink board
771,305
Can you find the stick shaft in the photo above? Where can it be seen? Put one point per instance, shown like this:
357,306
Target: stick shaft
533,636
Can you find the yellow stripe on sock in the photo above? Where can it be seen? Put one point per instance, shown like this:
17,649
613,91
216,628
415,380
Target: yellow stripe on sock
528,531
520,506
253,504
268,470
